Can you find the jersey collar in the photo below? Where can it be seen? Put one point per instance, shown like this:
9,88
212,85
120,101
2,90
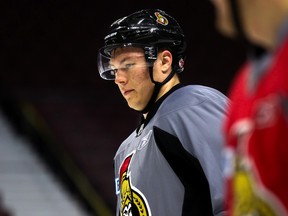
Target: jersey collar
154,108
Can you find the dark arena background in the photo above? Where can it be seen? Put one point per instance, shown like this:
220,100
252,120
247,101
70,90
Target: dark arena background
52,97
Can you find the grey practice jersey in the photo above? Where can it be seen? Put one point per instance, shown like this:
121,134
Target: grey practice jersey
171,164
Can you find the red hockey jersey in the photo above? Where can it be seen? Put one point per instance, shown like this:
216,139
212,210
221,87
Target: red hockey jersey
257,133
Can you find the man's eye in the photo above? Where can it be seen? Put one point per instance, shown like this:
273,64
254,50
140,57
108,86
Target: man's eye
128,66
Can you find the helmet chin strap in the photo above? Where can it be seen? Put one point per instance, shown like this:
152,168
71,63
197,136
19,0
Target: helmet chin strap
156,90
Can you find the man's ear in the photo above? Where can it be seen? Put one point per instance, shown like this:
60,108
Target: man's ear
166,61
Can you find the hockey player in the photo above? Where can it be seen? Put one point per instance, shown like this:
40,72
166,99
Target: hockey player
171,163
257,124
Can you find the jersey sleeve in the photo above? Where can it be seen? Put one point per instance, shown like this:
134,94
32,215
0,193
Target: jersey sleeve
198,126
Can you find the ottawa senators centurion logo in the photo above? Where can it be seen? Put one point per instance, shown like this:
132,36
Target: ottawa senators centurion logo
251,196
249,200
133,202
161,19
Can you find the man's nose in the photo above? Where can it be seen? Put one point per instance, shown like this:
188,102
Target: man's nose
120,77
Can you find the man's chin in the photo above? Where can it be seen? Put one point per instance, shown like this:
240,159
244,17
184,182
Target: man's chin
134,107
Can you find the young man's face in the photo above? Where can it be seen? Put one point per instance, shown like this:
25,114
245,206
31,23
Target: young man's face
132,76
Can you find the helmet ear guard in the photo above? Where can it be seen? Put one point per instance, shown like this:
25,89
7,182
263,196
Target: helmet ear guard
150,53
150,29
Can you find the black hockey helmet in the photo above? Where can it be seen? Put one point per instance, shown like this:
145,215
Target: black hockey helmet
150,29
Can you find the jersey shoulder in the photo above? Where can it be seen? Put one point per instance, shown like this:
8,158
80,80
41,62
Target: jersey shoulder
194,96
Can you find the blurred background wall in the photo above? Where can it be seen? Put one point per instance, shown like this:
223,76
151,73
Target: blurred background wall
52,95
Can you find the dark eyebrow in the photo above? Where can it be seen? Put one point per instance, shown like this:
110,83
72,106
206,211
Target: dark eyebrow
125,59
122,61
